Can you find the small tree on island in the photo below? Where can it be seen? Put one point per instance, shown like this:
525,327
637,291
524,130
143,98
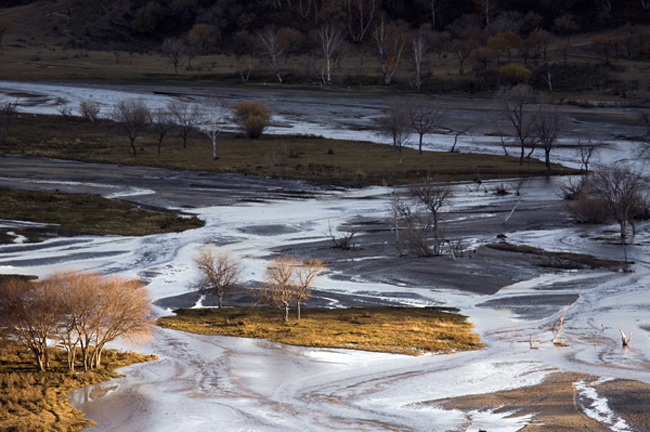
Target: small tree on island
288,281
219,272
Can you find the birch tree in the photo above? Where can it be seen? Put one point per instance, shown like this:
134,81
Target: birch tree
213,119
420,45
305,274
391,42
330,38
279,284
360,17
272,47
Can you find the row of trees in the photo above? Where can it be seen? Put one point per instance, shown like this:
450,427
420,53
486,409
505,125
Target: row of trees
393,43
135,118
358,16
77,311
287,281
528,124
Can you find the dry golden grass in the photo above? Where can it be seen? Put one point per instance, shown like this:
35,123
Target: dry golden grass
298,157
397,330
32,401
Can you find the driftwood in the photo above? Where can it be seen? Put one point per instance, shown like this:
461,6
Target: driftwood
626,340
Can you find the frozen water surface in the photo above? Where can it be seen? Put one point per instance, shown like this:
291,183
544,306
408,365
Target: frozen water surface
206,383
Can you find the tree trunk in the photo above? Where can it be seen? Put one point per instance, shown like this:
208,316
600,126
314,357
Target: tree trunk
133,147
221,301
329,78
421,135
39,360
97,357
286,313
298,307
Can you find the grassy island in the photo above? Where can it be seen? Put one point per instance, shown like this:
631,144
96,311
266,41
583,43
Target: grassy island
399,330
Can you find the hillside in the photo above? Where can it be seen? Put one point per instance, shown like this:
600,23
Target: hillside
581,46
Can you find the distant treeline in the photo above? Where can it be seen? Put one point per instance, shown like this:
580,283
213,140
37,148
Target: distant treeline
150,21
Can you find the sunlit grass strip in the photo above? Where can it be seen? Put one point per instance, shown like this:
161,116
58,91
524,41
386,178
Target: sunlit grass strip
398,330
89,213
38,401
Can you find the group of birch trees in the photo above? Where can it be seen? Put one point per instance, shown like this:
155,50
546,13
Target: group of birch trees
135,118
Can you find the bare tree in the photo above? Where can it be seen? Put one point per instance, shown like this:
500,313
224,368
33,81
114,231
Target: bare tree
186,116
163,122
391,41
124,311
462,48
420,45
395,123
305,274
547,130
410,229
331,38
273,47
360,17
279,282
588,149
433,196
174,50
133,116
29,314
621,191
219,272
433,6
424,117
514,103
213,119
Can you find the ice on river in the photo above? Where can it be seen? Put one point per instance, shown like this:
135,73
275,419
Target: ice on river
239,385
206,383
346,119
